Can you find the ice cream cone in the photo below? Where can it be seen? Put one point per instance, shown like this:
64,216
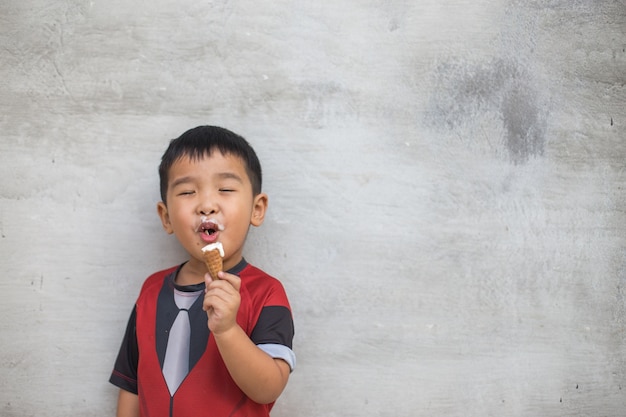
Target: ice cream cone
213,262
212,255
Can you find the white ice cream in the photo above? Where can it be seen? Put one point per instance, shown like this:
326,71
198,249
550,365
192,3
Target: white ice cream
213,246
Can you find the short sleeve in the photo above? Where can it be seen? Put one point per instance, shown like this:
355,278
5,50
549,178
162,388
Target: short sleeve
124,373
274,333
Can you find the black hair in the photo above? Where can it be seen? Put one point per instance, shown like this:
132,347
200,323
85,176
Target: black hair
201,141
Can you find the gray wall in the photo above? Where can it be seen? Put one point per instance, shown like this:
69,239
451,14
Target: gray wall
446,184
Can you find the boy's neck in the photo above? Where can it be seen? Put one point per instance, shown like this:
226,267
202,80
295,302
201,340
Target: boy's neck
190,274
187,275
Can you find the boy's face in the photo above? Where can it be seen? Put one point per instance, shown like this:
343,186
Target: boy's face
210,200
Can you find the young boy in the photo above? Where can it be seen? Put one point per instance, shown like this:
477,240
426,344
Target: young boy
195,346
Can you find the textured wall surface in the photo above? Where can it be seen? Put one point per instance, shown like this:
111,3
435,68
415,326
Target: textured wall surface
446,182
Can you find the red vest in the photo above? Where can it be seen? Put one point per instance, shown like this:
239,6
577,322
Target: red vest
208,389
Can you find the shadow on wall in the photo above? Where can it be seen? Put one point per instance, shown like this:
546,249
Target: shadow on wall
464,94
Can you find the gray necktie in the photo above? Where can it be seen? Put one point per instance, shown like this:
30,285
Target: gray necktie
176,363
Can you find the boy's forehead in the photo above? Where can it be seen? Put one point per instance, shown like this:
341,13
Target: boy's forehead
216,158
209,156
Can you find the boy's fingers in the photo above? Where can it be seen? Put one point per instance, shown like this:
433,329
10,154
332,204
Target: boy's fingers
207,281
233,280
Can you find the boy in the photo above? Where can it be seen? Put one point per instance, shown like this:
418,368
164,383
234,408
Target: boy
196,346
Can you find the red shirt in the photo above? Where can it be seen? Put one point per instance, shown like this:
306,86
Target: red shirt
208,389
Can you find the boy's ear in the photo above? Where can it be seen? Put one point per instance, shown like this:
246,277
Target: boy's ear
165,217
258,209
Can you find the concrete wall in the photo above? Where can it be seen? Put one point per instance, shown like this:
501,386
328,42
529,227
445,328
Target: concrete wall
446,184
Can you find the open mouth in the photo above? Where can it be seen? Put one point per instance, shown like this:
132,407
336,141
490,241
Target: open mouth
208,230
210,227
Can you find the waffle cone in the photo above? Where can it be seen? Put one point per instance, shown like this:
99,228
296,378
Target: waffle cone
213,262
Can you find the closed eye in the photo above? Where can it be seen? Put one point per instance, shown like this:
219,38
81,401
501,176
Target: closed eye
186,193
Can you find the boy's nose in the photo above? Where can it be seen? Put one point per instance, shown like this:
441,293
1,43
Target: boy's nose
205,211
207,204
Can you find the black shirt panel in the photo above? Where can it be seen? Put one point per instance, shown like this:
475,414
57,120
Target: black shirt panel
277,322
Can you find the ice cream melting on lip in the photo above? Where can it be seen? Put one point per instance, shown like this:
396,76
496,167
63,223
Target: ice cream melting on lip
209,225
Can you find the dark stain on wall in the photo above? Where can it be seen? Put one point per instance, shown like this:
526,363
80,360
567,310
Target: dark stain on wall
524,123
467,94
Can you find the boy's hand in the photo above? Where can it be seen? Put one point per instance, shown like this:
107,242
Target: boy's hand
221,301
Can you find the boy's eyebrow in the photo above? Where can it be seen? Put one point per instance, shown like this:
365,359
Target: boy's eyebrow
221,175
181,180
229,175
